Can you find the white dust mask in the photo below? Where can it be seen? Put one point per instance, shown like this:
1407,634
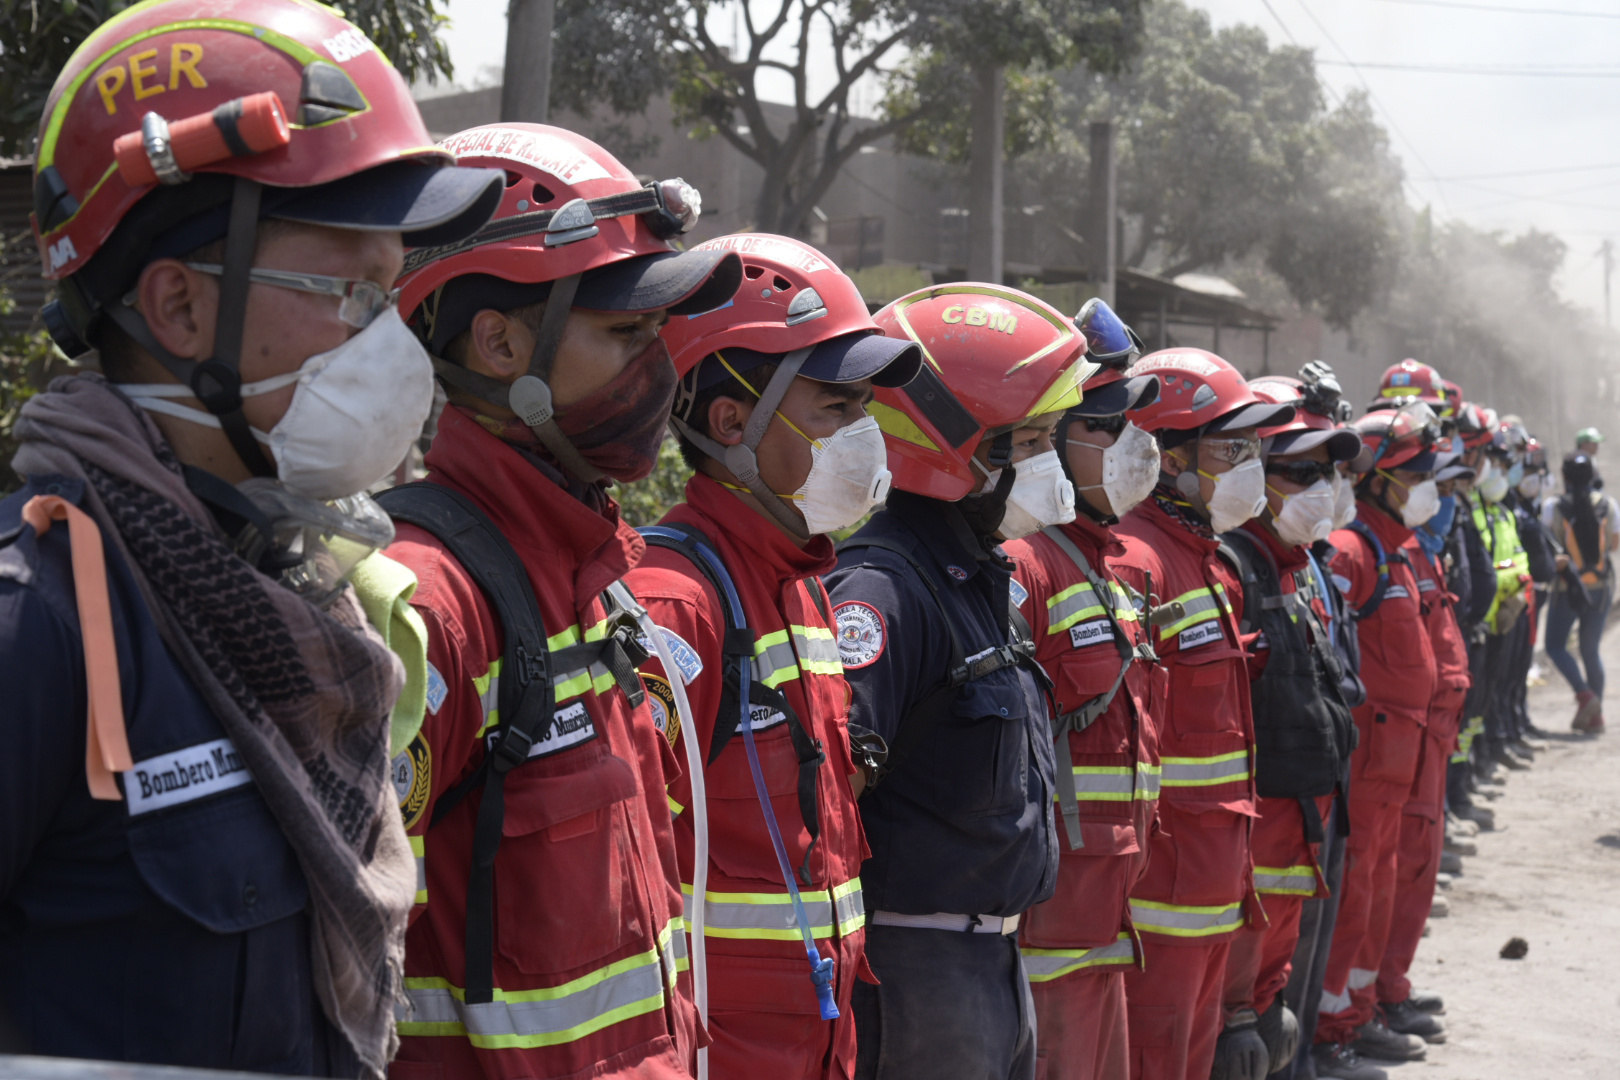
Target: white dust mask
1130,468
1306,516
1240,494
356,410
1344,502
1494,486
1040,496
1422,503
849,475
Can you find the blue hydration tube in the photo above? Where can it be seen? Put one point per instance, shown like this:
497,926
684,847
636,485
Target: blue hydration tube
821,967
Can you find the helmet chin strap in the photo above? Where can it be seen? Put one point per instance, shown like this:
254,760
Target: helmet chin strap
529,395
741,460
1187,485
217,381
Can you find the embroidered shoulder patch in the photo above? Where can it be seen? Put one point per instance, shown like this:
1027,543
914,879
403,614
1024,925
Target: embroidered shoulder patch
862,633
437,690
412,770
686,657
957,572
1018,592
661,701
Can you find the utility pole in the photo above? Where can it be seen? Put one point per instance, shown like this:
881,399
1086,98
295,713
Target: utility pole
1606,253
1102,231
526,81
985,227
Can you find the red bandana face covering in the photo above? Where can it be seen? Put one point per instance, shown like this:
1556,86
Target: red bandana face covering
618,427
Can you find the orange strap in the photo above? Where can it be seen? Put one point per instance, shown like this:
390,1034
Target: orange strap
106,744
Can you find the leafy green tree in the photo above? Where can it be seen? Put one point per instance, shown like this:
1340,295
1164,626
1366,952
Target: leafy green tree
38,36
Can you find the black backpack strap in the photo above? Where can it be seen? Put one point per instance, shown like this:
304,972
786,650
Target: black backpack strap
526,700
737,651
1377,598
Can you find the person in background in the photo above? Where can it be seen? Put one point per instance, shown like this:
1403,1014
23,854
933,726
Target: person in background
1587,441
940,664
1586,525
781,381
1082,601
1498,527
1198,891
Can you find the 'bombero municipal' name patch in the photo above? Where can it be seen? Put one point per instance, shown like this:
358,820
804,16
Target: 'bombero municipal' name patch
184,775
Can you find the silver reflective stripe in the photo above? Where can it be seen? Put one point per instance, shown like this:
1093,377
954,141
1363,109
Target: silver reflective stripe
531,1018
1178,920
1070,606
1288,880
1361,978
774,660
672,950
1148,780
1044,965
1198,605
1333,1003
1205,771
818,650
770,916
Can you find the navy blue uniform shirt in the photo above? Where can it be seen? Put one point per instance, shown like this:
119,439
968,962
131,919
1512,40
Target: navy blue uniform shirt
964,824
167,928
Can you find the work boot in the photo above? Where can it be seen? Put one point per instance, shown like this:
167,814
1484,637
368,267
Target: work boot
1404,1018
1483,818
1596,726
1427,1001
1525,748
1439,908
1443,880
1505,754
1460,845
1587,706
1340,1061
1458,825
1451,863
1375,1040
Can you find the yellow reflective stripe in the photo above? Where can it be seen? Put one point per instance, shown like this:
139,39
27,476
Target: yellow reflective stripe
674,807
672,950
1286,880
419,854
1115,783
1072,605
1200,606
488,686
1149,778
774,660
1205,771
1044,965
818,650
1183,920
524,1019
769,916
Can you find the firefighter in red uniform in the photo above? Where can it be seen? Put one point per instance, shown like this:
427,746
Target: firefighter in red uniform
1198,888
1423,818
563,959
779,377
1091,640
1397,665
1302,724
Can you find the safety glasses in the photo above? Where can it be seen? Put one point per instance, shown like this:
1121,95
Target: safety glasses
1111,425
362,301
1109,341
1231,451
1302,472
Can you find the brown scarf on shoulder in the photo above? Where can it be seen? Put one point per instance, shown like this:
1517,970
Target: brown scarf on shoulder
303,693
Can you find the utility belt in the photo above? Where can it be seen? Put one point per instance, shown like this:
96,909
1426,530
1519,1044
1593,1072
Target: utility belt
940,920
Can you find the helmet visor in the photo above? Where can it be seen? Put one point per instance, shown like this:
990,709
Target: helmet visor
1109,341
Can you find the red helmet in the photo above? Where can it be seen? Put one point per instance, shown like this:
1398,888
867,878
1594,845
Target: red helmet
994,358
175,89
1306,429
1400,438
1412,380
569,207
1454,400
1199,392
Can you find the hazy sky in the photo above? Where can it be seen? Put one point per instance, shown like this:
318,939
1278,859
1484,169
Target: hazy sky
1457,129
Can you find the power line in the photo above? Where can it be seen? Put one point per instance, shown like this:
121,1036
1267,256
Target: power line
1388,117
1537,72
1532,172
1456,4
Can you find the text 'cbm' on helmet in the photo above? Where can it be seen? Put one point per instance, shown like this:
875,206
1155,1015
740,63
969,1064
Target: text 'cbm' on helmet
575,229
993,358
1308,428
1200,393
792,308
1412,380
181,122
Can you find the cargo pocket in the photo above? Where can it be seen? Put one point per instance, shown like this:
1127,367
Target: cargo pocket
1088,908
739,841
1389,751
979,759
566,834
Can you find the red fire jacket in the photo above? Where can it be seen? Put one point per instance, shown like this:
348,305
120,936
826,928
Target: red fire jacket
1439,608
1115,761
756,959
588,939
1397,663
1198,881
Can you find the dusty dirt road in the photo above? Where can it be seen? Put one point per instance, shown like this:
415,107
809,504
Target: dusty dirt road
1551,875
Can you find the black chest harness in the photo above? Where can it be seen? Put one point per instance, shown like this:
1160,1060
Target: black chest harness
526,698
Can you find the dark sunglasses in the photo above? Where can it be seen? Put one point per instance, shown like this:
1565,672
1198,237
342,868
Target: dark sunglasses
1303,473
1111,425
